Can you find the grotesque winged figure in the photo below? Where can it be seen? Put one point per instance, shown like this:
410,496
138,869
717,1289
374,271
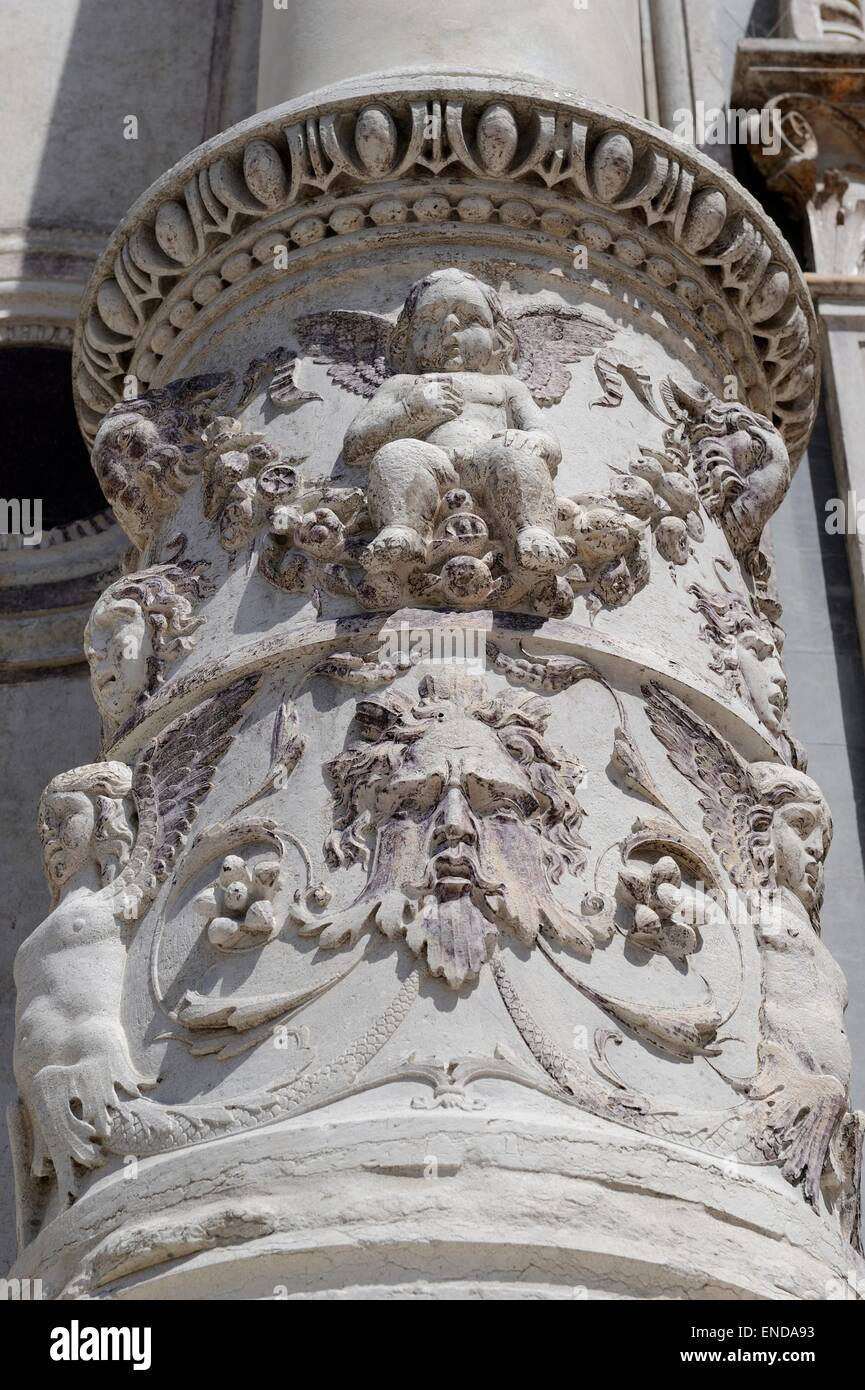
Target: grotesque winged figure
109,838
454,392
770,827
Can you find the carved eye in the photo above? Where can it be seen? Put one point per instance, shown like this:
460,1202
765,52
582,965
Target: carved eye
519,807
496,799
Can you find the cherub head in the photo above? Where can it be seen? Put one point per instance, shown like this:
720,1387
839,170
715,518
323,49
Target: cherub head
84,817
147,449
453,322
741,461
470,816
133,461
137,626
791,832
745,646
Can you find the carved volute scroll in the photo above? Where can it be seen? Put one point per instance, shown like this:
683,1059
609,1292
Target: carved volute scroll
446,764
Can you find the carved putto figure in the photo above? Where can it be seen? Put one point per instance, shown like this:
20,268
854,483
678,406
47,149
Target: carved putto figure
474,817
456,415
461,462
138,626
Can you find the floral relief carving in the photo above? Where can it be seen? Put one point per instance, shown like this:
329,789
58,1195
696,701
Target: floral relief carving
736,458
238,908
660,915
469,823
459,507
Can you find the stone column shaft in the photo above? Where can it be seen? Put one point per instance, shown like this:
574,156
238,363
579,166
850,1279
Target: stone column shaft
445,902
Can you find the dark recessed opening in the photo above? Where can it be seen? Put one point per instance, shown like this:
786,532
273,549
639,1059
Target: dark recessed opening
43,454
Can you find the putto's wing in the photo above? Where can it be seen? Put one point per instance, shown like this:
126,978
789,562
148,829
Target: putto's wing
354,345
171,778
280,365
716,771
549,337
614,370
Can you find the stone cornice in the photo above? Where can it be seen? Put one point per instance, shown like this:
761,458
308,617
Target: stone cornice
43,273
766,67
818,97
553,172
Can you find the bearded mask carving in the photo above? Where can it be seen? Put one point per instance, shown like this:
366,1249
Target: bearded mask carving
466,817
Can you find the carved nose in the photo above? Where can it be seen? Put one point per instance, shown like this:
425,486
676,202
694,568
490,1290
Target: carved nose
454,822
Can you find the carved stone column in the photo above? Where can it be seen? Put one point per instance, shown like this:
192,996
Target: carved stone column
446,903
817,165
832,21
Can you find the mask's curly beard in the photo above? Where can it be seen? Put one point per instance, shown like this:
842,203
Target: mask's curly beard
814,898
456,911
456,935
54,858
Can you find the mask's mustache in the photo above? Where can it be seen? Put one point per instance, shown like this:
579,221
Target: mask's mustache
455,862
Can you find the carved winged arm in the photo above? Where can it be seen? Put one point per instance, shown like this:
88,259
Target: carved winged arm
717,772
172,776
550,337
356,348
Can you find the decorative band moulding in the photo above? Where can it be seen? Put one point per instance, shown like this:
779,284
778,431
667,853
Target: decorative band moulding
495,154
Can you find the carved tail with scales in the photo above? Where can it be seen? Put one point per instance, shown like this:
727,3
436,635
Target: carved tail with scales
144,1127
